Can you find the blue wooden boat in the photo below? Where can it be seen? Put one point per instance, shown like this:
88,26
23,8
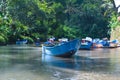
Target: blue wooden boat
37,44
105,43
66,49
97,43
114,43
20,42
86,44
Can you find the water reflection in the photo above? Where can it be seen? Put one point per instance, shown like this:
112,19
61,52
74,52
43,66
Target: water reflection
102,64
77,63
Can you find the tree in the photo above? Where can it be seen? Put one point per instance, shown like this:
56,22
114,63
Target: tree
33,19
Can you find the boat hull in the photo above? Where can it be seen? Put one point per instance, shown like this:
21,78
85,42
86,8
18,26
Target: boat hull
62,50
67,54
21,42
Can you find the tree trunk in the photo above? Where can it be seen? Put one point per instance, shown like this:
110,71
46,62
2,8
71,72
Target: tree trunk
114,5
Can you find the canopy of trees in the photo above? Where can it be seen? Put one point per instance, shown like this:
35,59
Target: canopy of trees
31,19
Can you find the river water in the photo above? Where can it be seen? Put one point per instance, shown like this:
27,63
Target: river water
28,63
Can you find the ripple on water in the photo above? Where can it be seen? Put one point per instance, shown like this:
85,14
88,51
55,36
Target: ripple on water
95,76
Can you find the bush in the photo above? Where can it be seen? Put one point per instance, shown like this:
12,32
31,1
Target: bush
2,40
30,40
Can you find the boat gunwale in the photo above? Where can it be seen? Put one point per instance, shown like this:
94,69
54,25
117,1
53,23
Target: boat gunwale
58,44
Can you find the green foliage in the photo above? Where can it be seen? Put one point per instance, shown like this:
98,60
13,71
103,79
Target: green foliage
69,32
89,19
18,31
30,40
2,39
65,31
114,22
31,19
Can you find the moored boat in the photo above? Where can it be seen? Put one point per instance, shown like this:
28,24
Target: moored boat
20,42
97,43
105,43
114,44
86,44
37,42
66,49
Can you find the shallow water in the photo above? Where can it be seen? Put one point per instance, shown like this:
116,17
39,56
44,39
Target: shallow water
28,63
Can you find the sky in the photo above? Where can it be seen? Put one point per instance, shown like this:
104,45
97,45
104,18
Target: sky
117,2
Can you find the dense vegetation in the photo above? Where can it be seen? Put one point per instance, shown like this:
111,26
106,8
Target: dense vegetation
31,19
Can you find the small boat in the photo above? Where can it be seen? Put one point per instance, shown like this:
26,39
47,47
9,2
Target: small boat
86,44
37,42
105,43
114,44
97,43
66,49
20,42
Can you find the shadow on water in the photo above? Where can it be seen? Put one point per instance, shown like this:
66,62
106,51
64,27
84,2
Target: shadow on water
77,63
